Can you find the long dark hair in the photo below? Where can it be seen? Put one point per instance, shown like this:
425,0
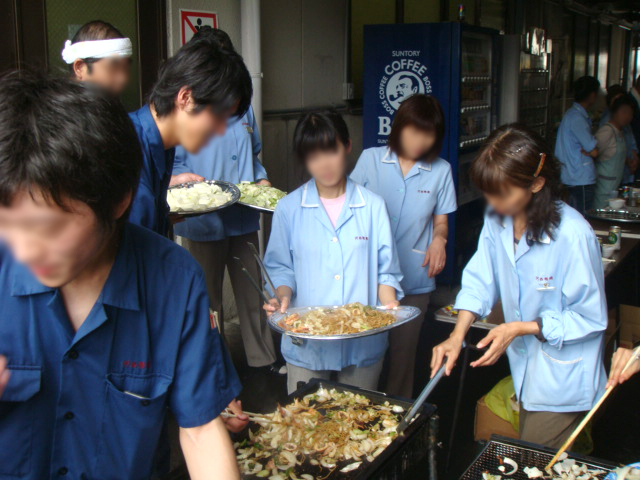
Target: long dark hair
515,155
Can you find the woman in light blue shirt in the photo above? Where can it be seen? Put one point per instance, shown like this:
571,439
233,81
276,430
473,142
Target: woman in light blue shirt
418,189
542,259
331,244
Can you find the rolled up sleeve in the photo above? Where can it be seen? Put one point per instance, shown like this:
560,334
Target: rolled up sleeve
479,291
582,131
584,312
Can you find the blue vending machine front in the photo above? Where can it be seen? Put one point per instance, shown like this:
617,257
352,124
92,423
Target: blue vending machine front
404,59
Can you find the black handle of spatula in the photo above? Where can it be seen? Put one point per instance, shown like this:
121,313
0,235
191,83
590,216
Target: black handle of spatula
252,280
263,269
404,423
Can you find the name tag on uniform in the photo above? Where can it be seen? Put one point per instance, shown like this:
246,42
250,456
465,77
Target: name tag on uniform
544,284
545,289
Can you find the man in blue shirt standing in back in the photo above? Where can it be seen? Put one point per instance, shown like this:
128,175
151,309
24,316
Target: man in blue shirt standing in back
576,145
216,239
105,325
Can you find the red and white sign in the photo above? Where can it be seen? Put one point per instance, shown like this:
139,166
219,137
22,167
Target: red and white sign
190,22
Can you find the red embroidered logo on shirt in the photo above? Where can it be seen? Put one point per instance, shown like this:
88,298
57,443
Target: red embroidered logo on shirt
131,364
362,238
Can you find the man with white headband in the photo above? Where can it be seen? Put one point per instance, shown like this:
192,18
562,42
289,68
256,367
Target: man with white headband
100,54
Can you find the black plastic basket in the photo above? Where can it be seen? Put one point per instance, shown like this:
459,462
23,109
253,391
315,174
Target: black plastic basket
525,455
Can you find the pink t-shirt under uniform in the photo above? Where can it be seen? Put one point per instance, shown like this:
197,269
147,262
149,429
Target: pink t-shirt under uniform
333,207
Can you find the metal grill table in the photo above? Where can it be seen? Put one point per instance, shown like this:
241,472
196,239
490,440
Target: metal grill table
525,455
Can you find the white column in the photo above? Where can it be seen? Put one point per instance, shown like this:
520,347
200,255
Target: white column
250,34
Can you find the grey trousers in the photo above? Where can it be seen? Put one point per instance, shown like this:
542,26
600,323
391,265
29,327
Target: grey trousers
363,377
403,346
551,429
214,257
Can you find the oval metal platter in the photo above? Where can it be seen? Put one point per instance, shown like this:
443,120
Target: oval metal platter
225,186
609,215
256,207
403,315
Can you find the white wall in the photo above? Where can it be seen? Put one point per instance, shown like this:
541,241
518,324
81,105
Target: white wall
303,53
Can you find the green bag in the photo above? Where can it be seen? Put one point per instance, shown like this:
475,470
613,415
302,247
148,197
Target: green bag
502,401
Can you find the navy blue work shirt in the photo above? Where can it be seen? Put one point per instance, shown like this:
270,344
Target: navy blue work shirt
149,207
90,404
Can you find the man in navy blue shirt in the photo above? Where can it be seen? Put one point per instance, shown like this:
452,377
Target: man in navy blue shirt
197,90
104,325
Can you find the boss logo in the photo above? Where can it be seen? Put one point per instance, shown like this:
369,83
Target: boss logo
424,191
362,238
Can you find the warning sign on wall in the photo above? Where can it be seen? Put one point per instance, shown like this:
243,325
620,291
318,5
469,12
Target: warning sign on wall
191,22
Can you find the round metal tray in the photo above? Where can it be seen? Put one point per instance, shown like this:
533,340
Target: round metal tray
630,215
403,315
256,207
225,186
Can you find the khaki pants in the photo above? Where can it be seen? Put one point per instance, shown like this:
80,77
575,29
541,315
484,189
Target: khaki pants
362,377
551,429
214,257
403,346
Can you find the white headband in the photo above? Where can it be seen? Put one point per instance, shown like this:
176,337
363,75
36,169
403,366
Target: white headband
115,47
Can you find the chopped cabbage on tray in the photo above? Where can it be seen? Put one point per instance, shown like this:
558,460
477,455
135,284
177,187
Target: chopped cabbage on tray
260,195
198,197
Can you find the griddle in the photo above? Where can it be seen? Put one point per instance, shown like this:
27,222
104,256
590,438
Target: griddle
400,456
525,455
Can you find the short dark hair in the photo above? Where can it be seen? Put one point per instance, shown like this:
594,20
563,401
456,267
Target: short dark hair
516,155
66,139
94,30
218,78
585,86
319,131
423,112
613,91
623,100
218,36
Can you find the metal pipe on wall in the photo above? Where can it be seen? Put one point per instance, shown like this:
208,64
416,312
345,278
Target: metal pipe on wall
250,38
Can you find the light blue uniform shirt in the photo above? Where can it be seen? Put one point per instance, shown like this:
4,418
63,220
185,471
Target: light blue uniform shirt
232,157
575,135
559,280
412,201
324,265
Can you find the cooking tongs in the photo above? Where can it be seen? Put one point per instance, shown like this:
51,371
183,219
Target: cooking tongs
263,269
407,419
258,284
431,385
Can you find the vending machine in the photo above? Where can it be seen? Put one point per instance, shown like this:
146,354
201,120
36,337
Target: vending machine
457,64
